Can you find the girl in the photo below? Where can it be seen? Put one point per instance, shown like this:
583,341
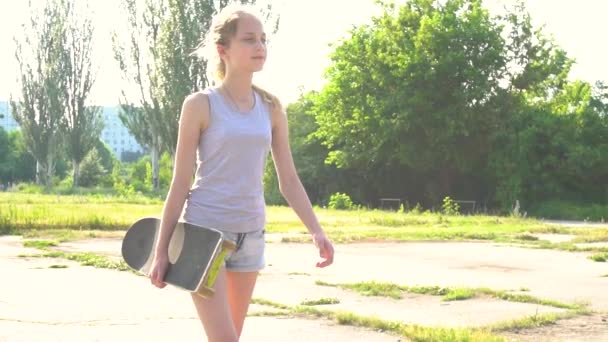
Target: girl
229,130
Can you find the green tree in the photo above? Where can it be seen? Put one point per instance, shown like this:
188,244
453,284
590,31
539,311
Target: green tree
137,59
81,124
91,170
24,168
536,69
7,158
41,104
415,90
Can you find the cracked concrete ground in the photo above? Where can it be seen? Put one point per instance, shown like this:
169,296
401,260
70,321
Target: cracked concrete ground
81,303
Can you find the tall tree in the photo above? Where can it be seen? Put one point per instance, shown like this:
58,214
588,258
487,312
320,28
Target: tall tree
41,104
82,124
414,90
535,72
137,60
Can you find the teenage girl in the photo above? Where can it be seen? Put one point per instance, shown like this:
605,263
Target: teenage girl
228,130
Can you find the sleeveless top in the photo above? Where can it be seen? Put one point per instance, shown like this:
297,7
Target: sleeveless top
228,191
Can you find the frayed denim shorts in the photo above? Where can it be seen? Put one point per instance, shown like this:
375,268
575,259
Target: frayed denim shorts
249,253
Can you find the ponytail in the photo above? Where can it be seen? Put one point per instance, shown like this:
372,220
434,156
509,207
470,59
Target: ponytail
267,97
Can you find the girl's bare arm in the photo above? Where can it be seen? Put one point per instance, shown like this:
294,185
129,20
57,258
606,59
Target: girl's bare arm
194,118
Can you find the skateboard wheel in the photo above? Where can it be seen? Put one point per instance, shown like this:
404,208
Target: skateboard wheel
205,292
228,245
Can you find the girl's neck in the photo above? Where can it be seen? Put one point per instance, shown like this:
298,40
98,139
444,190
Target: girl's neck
239,86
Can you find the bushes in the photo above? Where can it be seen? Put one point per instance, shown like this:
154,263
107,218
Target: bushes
341,201
570,211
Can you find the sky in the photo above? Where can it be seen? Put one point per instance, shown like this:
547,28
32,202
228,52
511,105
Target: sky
298,53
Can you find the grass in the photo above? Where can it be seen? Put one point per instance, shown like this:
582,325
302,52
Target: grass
85,259
599,257
396,291
69,212
413,332
73,217
321,301
537,320
40,244
421,333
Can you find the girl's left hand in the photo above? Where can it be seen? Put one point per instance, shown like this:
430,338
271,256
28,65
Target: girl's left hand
326,249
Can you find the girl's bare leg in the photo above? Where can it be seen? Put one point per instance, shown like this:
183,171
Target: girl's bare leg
215,313
240,287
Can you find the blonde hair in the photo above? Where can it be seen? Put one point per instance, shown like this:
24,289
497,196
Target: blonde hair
223,28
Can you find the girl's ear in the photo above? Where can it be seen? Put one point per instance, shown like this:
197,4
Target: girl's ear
221,50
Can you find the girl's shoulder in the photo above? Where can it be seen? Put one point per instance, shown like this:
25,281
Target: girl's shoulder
196,108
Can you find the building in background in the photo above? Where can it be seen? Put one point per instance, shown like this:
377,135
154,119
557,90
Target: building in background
114,133
6,118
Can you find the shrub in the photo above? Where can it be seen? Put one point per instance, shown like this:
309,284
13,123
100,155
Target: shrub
450,207
341,201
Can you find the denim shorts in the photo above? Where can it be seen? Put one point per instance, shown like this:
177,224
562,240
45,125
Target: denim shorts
249,253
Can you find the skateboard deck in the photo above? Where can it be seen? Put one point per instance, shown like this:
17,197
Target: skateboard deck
195,253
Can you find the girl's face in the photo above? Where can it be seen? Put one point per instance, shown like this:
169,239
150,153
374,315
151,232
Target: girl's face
246,51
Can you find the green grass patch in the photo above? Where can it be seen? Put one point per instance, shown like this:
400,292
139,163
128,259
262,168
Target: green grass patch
421,333
412,332
526,237
70,217
321,301
460,294
58,266
85,259
599,257
40,244
570,211
267,313
298,273
536,320
266,302
396,291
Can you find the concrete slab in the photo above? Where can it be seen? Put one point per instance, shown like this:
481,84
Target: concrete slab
412,308
593,328
551,274
86,304
80,303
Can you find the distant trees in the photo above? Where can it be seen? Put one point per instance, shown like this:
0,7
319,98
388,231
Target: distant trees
438,99
56,76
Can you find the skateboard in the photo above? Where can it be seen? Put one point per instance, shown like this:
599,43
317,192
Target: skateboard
195,253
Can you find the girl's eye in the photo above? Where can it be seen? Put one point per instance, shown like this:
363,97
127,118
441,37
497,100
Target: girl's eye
253,40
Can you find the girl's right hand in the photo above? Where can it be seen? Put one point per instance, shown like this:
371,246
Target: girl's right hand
158,270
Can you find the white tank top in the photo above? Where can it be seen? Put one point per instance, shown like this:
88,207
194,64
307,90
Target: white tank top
228,191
